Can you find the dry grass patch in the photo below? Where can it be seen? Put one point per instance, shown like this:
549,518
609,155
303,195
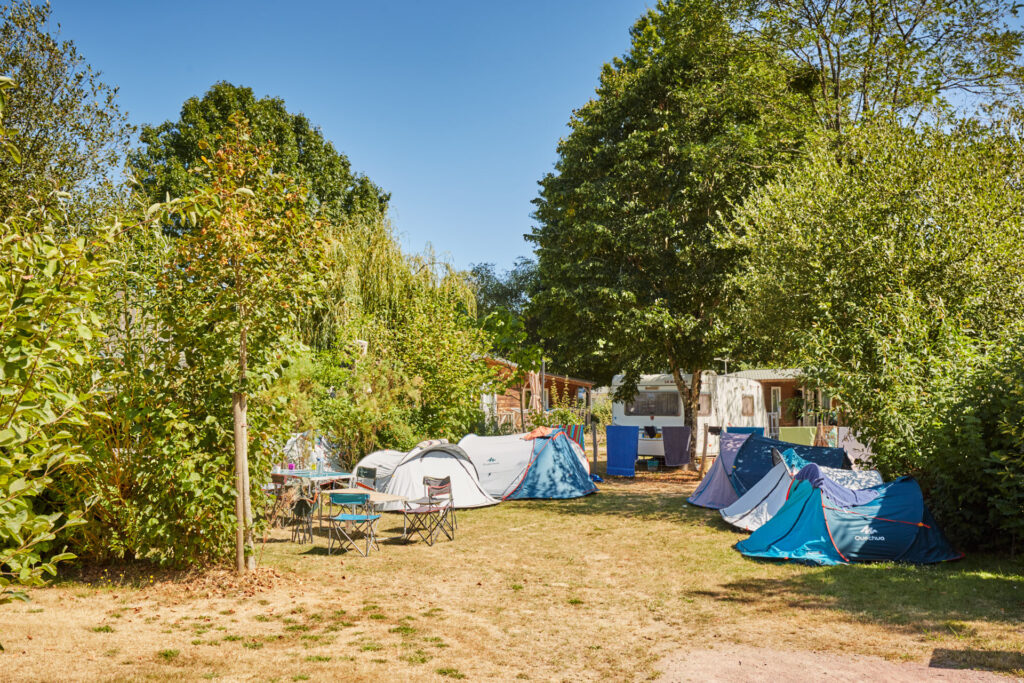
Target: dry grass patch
584,590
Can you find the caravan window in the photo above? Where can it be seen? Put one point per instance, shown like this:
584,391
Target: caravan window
659,403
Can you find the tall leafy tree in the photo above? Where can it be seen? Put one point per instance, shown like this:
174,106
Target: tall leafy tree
246,262
65,121
883,266
171,150
905,57
632,276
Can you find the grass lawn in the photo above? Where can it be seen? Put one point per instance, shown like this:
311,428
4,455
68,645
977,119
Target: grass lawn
597,588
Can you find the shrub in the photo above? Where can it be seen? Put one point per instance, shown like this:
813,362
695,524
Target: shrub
975,454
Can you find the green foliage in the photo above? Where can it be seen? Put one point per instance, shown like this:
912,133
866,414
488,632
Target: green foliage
975,452
508,291
897,57
883,267
159,483
198,319
47,333
65,120
363,402
563,409
688,122
169,153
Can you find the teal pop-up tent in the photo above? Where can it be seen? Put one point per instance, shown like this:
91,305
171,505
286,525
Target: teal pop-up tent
554,470
826,524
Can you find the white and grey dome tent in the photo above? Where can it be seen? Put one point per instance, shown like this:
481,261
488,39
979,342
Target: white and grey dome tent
401,474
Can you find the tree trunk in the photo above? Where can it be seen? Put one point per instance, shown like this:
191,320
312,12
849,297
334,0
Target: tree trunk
243,506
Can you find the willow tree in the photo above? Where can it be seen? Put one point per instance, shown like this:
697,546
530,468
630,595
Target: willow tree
246,262
632,276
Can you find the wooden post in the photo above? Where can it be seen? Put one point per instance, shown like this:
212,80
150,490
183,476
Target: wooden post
704,451
593,438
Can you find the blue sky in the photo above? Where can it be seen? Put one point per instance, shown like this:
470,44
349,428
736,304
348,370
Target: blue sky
454,107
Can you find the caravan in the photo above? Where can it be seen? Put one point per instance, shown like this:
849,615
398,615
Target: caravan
725,400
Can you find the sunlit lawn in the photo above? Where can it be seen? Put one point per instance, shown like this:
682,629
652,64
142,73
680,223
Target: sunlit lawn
597,588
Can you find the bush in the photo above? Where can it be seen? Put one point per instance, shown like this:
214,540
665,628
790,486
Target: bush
975,454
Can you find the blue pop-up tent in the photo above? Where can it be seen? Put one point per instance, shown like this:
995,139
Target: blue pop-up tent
555,470
826,524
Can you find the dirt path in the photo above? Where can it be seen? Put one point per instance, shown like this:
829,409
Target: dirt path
746,663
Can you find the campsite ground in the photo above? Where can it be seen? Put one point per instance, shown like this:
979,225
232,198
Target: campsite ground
631,583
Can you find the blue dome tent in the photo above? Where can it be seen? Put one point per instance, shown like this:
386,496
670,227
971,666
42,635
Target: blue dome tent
826,524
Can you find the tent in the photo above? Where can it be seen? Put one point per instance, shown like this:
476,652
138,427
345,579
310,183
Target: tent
525,466
744,459
716,491
307,448
760,503
826,524
402,474
754,460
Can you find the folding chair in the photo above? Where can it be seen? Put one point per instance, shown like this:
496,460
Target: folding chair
431,514
360,519
366,477
438,482
303,510
275,502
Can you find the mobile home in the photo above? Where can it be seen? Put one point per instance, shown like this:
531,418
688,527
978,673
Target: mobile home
725,401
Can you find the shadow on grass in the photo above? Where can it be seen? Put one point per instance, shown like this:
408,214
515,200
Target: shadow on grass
923,600
1006,661
618,503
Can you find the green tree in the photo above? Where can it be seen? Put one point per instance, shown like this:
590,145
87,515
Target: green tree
901,57
509,290
632,274
169,153
246,262
883,266
65,120
47,286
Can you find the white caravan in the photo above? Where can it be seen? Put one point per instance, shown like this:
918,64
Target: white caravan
725,401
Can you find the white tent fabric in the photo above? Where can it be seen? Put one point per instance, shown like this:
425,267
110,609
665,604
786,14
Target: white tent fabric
384,462
767,496
403,475
500,460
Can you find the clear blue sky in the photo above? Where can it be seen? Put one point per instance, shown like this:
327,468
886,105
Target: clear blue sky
454,107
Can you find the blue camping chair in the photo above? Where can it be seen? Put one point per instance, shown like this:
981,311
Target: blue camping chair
360,519
623,443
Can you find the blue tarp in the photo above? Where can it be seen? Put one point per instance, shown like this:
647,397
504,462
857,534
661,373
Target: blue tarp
555,471
812,528
622,444
754,460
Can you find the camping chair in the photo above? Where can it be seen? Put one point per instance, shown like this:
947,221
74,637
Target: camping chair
366,477
303,509
438,482
360,520
276,501
432,514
